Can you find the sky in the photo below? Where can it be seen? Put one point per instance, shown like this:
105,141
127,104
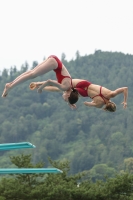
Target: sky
33,29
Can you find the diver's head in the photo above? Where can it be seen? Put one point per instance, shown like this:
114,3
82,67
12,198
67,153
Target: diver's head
110,106
71,96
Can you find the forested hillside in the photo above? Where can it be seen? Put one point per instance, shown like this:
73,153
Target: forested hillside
89,138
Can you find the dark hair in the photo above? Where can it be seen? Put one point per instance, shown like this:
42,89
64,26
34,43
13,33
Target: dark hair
73,98
110,106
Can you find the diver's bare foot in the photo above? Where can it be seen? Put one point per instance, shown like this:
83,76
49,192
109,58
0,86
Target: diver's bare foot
6,90
34,85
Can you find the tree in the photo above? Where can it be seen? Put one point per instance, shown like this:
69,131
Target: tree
63,56
128,164
34,64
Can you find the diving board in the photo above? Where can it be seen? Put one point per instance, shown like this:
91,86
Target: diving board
30,170
20,145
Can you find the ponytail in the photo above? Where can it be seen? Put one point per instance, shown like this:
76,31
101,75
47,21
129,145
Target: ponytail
73,96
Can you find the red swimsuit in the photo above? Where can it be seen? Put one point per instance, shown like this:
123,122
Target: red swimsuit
82,88
59,76
101,95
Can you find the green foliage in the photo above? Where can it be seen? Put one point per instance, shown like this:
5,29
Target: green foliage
87,136
128,164
62,186
100,170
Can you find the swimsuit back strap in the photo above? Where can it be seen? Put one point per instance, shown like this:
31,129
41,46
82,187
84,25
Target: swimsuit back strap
101,95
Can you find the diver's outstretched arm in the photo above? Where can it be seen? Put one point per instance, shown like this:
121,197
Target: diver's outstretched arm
118,91
92,104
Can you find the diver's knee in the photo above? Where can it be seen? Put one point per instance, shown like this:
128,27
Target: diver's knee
32,74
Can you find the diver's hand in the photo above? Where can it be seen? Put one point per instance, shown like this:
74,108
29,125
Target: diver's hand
72,106
124,104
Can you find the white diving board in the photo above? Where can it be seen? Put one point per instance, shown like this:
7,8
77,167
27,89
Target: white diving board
30,170
20,145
